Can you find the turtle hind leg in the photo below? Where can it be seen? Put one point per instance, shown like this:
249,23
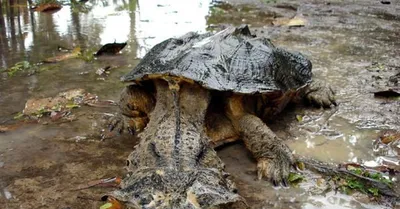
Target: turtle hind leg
218,126
136,103
274,158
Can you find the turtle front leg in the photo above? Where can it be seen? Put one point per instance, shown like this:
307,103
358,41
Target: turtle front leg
274,158
319,94
136,102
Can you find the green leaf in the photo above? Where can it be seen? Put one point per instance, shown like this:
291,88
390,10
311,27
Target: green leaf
295,177
18,116
299,118
374,191
19,66
376,176
354,184
71,106
106,206
357,171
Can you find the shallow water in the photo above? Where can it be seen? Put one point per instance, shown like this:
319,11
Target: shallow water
40,164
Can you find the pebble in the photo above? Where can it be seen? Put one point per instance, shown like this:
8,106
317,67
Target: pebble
7,194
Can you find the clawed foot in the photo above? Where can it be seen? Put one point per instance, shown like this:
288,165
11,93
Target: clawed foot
321,95
114,126
276,169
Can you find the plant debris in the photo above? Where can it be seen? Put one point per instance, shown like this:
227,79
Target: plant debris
389,136
111,49
47,7
387,149
108,182
60,105
297,21
57,108
103,71
11,127
39,107
390,93
349,178
295,178
18,67
349,184
74,54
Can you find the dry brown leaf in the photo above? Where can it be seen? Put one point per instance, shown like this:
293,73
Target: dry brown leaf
47,7
389,136
296,21
74,54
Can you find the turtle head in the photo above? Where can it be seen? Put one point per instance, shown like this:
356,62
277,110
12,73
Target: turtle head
294,70
170,188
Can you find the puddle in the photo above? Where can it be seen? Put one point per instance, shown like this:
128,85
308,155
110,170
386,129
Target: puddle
40,164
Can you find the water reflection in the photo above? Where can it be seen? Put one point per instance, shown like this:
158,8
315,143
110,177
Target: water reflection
25,34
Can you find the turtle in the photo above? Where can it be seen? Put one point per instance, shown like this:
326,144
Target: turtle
196,92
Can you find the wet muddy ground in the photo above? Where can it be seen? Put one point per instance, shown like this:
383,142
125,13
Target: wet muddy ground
354,46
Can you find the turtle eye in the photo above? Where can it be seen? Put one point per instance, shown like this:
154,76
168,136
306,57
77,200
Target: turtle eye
128,163
145,200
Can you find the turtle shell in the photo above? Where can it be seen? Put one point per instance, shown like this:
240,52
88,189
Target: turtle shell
230,60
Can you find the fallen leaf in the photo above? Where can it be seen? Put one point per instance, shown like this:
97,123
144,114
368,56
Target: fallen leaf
57,115
111,49
295,177
297,21
300,166
74,54
105,103
103,71
299,118
320,182
388,93
18,116
71,106
49,7
11,127
106,206
389,136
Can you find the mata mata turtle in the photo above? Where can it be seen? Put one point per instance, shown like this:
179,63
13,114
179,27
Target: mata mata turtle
196,92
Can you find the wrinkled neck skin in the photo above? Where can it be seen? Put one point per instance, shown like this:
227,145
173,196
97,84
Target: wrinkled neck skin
173,166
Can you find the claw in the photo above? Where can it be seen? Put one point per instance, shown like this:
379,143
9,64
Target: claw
285,183
131,131
275,183
113,125
333,101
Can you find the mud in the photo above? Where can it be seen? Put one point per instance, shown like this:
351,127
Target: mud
353,45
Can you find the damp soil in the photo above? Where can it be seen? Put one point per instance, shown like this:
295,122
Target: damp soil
353,46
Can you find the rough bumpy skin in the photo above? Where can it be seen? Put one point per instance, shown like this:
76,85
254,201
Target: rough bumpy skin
206,90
